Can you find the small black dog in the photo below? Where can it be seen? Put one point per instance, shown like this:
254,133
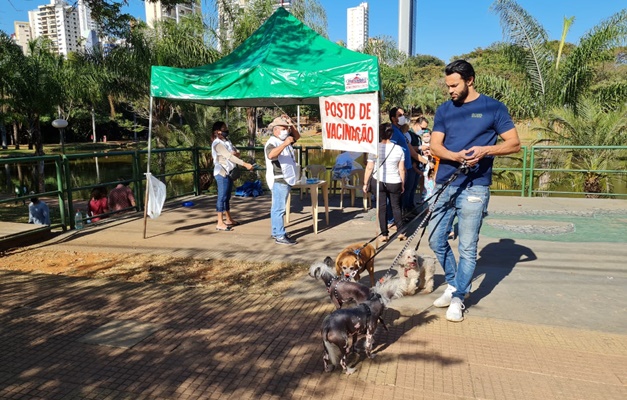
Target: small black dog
341,324
341,290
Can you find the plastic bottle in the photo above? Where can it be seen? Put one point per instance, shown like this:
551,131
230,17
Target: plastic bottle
78,220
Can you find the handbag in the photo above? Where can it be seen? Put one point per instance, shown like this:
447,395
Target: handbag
235,173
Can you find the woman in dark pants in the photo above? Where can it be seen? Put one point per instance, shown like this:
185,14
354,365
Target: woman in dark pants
391,175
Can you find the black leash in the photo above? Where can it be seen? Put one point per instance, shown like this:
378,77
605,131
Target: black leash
463,168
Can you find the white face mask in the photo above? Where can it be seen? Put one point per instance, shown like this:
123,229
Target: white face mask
402,120
283,134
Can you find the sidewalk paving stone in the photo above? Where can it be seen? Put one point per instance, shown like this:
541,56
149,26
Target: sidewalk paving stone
222,345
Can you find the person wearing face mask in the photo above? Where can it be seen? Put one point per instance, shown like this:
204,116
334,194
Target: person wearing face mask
398,119
225,157
281,173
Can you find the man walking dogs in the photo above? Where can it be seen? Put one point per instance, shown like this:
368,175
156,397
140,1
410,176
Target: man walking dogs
465,131
281,173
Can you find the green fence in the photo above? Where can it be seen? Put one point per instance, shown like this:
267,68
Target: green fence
67,180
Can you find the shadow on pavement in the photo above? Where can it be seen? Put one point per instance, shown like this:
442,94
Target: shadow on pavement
496,261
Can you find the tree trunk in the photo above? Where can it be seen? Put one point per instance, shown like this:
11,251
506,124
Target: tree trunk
251,113
544,179
111,107
3,131
93,122
16,136
39,151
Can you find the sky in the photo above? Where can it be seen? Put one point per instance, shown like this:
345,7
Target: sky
446,28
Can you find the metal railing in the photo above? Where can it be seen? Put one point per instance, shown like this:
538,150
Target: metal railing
180,168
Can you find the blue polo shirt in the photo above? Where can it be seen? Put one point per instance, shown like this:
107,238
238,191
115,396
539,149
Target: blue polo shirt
477,123
399,139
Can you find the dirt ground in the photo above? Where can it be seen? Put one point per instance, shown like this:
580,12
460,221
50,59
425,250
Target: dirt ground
260,278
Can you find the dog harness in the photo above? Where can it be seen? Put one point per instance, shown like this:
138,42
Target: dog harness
335,293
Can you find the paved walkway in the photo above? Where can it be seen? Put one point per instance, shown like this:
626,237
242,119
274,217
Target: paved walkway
546,318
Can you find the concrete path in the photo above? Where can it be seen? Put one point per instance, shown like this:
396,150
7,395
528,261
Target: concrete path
546,318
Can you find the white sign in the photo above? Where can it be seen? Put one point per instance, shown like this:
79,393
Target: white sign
350,122
355,81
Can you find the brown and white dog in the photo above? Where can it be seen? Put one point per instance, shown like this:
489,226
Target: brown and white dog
341,290
416,272
354,260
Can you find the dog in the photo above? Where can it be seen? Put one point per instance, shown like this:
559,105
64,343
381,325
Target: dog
341,290
417,272
341,325
355,259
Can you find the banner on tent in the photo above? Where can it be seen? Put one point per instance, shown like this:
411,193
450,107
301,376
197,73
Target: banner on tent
350,122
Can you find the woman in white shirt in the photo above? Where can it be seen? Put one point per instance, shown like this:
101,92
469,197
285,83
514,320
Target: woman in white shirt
225,157
391,175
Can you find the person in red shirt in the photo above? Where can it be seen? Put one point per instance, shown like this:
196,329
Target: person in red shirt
98,204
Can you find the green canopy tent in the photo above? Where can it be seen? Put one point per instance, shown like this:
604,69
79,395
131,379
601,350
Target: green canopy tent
284,62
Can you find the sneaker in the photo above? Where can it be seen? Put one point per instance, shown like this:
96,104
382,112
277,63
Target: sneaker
455,312
287,235
445,299
285,240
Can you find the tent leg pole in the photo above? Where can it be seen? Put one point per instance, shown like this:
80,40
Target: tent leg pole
148,168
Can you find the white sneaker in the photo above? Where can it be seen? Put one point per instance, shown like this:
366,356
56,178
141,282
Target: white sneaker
445,299
455,312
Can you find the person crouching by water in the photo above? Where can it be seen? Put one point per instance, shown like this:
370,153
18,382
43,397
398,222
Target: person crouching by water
38,212
392,180
225,157
121,197
280,173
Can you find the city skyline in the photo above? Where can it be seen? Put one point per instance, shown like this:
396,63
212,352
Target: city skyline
435,35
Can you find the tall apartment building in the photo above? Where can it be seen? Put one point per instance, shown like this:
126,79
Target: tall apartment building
157,11
68,28
357,27
406,26
22,35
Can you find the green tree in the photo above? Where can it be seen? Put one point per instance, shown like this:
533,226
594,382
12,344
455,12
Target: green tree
591,125
10,56
37,89
550,84
243,21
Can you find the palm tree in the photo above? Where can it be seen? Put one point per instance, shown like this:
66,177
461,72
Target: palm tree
554,80
591,125
37,88
10,56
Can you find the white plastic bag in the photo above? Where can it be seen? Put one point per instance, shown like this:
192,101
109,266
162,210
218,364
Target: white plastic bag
156,195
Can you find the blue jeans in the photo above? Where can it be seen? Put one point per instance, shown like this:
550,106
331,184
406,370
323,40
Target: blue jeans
471,206
411,179
280,191
225,186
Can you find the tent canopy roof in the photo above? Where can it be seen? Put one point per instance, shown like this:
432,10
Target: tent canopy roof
283,62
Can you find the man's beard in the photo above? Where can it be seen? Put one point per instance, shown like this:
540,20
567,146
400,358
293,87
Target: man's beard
462,96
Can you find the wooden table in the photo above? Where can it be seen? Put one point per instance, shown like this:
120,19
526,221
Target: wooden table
313,189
